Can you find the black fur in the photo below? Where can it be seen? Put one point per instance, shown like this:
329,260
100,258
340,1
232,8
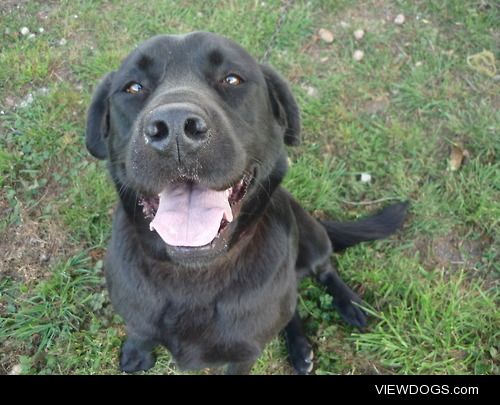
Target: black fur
284,107
221,305
379,226
98,120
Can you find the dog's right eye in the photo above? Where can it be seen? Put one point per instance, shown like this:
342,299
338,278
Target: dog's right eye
133,88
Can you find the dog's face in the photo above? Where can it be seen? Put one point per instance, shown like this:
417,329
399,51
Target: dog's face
194,131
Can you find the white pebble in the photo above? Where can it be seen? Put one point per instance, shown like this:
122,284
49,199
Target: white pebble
359,34
41,30
358,55
400,19
27,101
418,64
365,178
44,257
62,41
24,31
31,36
16,370
325,35
311,91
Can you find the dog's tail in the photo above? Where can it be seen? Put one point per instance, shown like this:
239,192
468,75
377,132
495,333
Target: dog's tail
378,226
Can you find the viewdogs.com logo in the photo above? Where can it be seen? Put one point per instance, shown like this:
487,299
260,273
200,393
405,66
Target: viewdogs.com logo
413,389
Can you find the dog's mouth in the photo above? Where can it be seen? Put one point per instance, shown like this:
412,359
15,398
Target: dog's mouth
188,215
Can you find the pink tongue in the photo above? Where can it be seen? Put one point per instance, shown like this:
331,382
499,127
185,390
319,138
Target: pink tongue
190,215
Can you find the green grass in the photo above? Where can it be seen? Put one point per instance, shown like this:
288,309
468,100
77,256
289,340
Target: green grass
431,290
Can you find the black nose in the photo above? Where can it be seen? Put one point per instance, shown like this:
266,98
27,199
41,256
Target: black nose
181,122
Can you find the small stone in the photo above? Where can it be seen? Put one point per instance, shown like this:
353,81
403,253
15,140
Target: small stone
400,19
359,34
27,101
31,36
325,35
44,258
324,59
358,55
16,370
365,178
344,24
75,16
41,30
311,91
62,41
418,64
24,31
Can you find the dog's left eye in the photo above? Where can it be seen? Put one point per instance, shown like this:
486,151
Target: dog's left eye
233,80
133,88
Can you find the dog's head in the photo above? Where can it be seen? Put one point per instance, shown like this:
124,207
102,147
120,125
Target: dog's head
194,131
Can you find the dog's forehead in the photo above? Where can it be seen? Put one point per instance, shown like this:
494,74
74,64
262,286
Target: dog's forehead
184,49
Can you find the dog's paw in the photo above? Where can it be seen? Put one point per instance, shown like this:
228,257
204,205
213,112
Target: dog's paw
133,358
301,356
350,312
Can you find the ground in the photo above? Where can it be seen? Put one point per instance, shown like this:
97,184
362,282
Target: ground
398,114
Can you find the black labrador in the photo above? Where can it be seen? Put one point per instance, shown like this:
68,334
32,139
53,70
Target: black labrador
207,249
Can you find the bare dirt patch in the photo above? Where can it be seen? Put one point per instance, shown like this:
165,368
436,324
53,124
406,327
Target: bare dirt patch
451,253
29,249
371,17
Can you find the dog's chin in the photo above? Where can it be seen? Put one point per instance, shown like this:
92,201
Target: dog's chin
192,251
200,256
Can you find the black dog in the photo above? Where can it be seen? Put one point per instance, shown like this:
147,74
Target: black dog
207,249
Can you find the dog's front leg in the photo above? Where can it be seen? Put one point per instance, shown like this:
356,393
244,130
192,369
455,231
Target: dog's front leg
137,354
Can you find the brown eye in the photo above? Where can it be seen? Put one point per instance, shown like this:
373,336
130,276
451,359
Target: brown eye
133,88
233,80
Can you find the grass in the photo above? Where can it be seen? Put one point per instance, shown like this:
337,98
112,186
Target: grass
431,291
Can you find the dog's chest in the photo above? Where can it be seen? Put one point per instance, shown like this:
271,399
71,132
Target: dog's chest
207,336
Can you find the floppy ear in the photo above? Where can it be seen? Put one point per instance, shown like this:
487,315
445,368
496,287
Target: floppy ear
98,119
285,108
